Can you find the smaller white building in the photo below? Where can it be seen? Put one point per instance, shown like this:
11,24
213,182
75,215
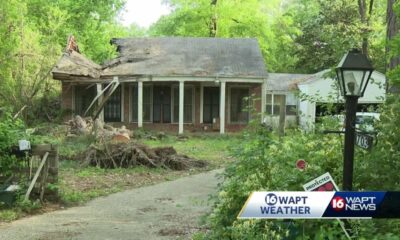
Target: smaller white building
321,88
306,94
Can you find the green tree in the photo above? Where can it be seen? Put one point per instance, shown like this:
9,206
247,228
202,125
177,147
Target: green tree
28,52
264,20
332,27
33,37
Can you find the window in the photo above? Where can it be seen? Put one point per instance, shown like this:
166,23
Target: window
84,96
187,105
210,104
291,104
269,104
274,101
273,104
239,109
147,103
112,108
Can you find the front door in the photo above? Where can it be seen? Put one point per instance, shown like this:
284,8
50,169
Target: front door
210,104
162,104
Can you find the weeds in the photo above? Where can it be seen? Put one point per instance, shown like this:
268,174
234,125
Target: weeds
79,184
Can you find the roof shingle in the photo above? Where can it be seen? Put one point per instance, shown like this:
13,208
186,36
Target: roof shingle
185,56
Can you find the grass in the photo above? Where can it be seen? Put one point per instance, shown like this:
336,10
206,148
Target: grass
72,147
213,148
78,185
8,215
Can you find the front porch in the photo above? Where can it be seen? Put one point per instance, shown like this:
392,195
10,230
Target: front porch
180,106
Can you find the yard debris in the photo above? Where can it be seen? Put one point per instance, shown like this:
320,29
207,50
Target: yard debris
153,136
79,126
182,138
113,148
131,154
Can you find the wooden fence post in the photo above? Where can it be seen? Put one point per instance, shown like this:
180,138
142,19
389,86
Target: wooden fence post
51,177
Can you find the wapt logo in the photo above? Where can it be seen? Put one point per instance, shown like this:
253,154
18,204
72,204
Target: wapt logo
338,204
271,199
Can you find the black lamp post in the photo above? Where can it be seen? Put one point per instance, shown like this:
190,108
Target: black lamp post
353,74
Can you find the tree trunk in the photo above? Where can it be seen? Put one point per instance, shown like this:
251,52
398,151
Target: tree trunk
365,21
213,23
391,32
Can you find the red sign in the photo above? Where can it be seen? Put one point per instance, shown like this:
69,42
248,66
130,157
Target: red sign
301,164
326,187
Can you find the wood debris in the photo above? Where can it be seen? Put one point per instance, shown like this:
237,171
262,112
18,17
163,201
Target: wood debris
113,148
130,154
79,126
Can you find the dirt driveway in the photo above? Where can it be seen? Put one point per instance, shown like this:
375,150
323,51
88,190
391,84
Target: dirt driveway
169,210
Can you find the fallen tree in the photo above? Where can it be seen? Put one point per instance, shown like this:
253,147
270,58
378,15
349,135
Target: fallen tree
114,149
78,126
129,154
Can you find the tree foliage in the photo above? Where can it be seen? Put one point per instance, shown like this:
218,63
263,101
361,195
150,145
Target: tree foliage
33,37
263,20
330,28
302,36
11,130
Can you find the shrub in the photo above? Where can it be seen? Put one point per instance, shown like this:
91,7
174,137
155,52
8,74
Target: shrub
267,163
11,130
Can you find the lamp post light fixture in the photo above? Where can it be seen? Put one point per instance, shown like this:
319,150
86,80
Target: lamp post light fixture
353,74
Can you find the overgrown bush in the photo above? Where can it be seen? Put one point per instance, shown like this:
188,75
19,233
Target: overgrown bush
11,130
46,108
267,163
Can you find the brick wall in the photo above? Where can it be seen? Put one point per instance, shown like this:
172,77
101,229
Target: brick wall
66,96
173,128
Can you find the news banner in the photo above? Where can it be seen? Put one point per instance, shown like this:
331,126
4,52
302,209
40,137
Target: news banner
321,204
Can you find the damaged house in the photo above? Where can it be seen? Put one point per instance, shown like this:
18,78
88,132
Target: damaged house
173,83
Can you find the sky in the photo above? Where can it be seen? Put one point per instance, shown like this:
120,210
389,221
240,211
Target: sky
143,12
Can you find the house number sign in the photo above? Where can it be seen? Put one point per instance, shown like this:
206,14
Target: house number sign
364,141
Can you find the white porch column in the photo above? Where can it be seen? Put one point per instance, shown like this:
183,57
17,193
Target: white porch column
181,98
222,108
140,104
122,102
263,99
99,100
201,102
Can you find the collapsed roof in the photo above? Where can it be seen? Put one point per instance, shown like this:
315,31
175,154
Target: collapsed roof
169,56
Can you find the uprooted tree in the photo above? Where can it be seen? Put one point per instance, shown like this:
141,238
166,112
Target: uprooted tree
113,148
115,155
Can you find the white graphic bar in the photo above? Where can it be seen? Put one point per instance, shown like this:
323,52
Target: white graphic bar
275,205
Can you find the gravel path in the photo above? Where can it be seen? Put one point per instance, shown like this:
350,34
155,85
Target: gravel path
168,210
